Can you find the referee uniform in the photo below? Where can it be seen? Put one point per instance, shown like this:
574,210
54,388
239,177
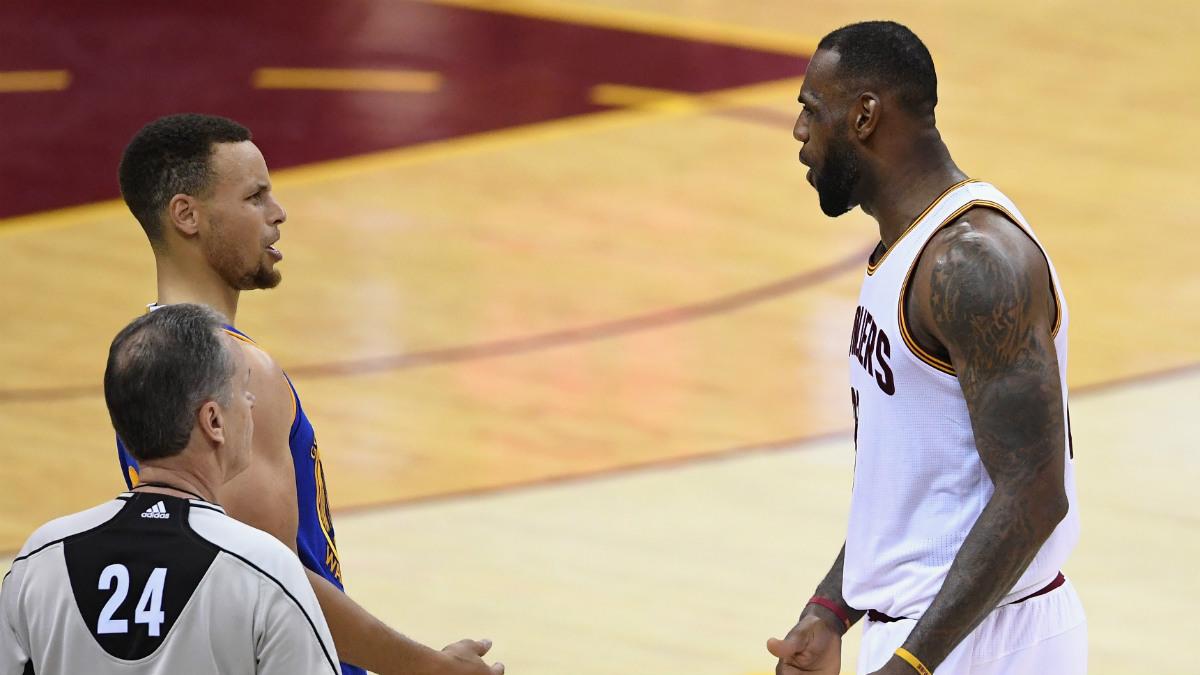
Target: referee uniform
152,583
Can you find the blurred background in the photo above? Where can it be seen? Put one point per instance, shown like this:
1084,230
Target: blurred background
568,321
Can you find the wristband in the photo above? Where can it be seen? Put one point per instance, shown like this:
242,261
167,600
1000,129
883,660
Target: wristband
913,661
833,607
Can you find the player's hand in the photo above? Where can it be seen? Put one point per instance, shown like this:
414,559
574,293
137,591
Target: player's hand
466,658
810,647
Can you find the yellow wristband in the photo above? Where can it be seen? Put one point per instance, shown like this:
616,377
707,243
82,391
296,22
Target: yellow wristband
913,661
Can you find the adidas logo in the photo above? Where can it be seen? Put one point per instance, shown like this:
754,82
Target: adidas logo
156,511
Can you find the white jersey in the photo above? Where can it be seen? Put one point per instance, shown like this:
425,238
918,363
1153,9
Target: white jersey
155,584
919,485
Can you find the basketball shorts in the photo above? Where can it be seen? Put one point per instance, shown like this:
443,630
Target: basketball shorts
1046,634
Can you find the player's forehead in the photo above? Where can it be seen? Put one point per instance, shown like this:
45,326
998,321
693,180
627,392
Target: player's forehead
820,78
240,163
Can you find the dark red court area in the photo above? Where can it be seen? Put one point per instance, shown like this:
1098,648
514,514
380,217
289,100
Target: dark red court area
129,62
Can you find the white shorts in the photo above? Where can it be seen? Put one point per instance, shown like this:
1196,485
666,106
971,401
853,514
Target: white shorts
1046,634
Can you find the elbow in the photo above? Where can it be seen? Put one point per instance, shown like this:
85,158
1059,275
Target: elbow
1058,508
1048,508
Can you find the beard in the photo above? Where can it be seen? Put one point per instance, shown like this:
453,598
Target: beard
837,178
262,278
232,266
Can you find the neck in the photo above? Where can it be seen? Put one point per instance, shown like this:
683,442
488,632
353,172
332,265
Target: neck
908,188
181,482
179,282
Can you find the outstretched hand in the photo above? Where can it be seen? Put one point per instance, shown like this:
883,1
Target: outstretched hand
466,658
810,647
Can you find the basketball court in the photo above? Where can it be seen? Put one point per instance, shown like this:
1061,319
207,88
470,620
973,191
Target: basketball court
567,319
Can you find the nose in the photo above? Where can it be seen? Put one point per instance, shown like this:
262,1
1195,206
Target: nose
800,131
250,397
278,215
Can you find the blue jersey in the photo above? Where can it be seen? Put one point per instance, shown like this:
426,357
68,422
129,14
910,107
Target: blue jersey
315,541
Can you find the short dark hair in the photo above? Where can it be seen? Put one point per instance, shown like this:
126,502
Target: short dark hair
884,55
161,369
171,156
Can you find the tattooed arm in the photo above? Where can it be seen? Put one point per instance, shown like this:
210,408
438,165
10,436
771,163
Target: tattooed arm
982,291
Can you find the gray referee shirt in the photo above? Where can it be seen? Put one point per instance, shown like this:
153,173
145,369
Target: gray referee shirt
150,583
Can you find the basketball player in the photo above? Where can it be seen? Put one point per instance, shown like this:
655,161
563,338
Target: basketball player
963,508
201,191
160,576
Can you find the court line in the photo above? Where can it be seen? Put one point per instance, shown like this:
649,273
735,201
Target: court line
16,81
794,443
592,333
68,216
571,336
1149,377
596,474
759,115
798,443
716,102
348,79
522,344
643,22
625,96
539,132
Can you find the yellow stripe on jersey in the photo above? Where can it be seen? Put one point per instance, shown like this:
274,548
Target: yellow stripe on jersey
871,267
241,337
291,390
911,343
1049,278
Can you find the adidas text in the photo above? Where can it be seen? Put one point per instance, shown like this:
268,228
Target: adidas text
156,511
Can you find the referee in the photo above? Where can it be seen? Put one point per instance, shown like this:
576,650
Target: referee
160,580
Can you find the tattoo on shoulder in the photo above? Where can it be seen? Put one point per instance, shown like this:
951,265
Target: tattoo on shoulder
994,318
996,326
983,303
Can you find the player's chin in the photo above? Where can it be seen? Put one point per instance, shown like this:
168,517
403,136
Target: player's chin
264,278
270,280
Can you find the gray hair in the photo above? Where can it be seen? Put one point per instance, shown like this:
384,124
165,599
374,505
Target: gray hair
161,368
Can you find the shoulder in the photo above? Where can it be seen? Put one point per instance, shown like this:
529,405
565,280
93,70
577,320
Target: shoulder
982,288
253,547
62,528
257,563
983,235
272,391
983,262
264,367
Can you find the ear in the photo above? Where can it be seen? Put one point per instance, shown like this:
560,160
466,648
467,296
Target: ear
866,112
183,214
212,423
